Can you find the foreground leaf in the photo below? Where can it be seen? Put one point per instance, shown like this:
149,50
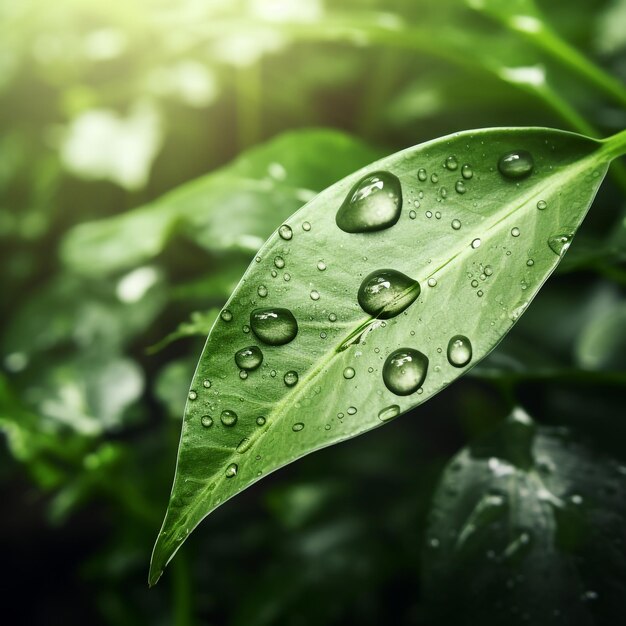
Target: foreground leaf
527,527
457,265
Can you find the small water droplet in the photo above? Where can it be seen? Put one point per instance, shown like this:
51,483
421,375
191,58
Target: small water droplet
243,374
460,187
315,295
479,293
245,328
228,417
192,395
349,373
249,358
541,205
262,291
438,215
226,315
274,326
559,244
488,270
273,373
466,172
286,277
373,204
291,378
231,470
474,283
421,174
351,410
516,164
412,214
456,224
327,427
306,226
432,282
206,384
386,293
206,421
459,351
297,427
476,243
388,413
515,232
260,421
428,214
443,192
434,178
530,262
244,445
332,317
451,163
321,266
285,232
279,262
323,335
274,273
404,371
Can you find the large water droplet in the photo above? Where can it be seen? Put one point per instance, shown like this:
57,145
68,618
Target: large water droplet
249,358
228,417
386,293
231,470
374,203
388,413
274,326
459,351
559,243
285,232
516,164
404,371
291,378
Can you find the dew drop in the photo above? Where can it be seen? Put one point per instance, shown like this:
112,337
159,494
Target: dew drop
262,291
559,244
476,243
332,317
351,410
386,293
285,232
530,262
451,163
434,178
373,204
260,421
249,358
244,445
466,172
274,273
438,215
541,205
443,192
388,413
274,326
206,421
297,427
459,351
243,374
206,384
245,328
412,214
192,395
349,373
315,295
515,232
291,378
488,270
421,174
286,277
456,224
428,214
228,417
404,371
460,187
306,226
279,262
479,293
516,164
321,266
231,470
432,282
226,315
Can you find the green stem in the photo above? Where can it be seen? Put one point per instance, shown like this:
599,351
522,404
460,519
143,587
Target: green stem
181,591
248,86
615,146
550,42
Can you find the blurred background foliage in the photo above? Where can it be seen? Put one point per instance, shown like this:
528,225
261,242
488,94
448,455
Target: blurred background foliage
147,150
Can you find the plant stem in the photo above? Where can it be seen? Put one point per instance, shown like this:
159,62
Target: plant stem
615,146
181,591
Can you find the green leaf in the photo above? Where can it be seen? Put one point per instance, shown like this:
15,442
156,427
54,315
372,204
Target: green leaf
234,208
477,275
519,527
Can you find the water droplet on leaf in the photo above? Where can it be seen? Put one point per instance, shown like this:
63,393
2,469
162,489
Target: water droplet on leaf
226,315
559,244
193,395
541,205
460,187
262,291
466,172
279,262
404,371
373,204
451,163
260,420
476,243
516,164
274,326
228,417
285,232
306,226
297,427
349,373
421,174
206,421
388,413
315,295
459,351
231,470
515,232
291,378
386,293
249,358
456,224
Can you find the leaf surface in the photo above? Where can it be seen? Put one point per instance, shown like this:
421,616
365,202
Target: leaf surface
475,277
